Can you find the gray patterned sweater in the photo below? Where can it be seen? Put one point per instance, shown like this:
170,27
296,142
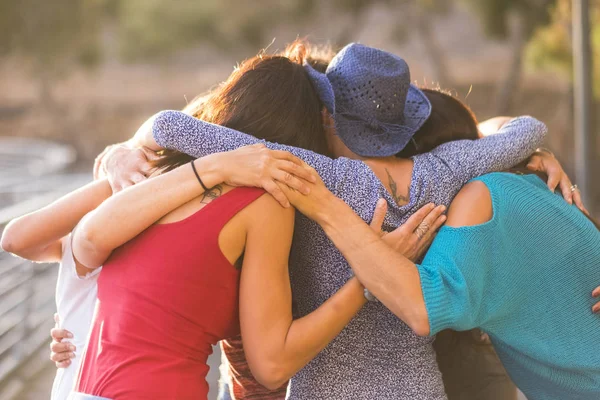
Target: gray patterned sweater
376,356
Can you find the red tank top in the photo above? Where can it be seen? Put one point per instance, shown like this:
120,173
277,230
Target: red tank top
163,299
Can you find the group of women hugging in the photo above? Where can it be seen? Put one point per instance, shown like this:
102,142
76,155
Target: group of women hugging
343,233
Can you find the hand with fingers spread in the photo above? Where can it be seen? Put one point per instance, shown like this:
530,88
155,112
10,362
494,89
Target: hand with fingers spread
544,161
61,350
413,238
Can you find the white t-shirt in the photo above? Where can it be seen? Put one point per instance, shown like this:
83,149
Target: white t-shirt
75,303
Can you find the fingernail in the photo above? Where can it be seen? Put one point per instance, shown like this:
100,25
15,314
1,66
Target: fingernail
306,190
71,347
596,308
596,293
313,179
431,205
443,218
69,335
443,208
72,355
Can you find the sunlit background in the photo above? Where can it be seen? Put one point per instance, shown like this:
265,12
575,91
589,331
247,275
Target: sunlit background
77,75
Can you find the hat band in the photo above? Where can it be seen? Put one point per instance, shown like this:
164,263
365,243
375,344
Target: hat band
384,127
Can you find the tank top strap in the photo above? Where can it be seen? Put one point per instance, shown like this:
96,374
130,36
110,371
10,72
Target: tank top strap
229,204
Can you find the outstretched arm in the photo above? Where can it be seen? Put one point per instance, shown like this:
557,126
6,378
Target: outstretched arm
384,264
179,131
507,143
388,275
131,211
516,141
38,236
428,297
391,277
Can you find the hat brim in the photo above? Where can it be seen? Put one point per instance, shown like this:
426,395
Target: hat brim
372,140
322,87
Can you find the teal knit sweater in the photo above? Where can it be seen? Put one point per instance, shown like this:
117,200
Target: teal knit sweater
525,277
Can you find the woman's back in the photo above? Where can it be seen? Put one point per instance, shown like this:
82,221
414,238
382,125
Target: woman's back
524,277
163,299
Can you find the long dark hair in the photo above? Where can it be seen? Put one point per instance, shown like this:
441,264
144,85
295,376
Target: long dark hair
450,119
267,96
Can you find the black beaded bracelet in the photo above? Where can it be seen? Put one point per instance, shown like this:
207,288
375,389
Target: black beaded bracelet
198,176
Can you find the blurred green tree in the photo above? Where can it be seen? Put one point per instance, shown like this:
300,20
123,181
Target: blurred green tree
51,36
551,46
516,20
155,29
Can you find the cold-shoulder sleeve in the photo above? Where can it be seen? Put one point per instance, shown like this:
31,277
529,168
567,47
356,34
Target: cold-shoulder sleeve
453,280
514,143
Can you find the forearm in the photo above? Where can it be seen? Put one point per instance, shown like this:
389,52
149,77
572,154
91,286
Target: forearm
309,335
30,235
131,211
388,275
178,131
512,144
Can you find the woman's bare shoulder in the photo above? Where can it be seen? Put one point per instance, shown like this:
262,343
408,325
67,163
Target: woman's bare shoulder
266,208
471,206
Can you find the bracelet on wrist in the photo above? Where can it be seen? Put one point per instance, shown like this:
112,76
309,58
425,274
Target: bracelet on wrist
198,177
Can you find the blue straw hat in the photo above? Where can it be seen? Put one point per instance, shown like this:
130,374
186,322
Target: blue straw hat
375,107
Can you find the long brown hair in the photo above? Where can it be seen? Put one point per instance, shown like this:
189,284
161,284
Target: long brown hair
267,96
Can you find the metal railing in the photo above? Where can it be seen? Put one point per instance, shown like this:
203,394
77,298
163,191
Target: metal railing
30,178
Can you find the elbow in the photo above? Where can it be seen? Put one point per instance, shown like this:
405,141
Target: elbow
270,374
538,127
415,317
7,243
162,123
11,241
420,325
87,245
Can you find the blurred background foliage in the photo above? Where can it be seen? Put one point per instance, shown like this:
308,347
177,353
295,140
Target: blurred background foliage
550,45
88,71
56,36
